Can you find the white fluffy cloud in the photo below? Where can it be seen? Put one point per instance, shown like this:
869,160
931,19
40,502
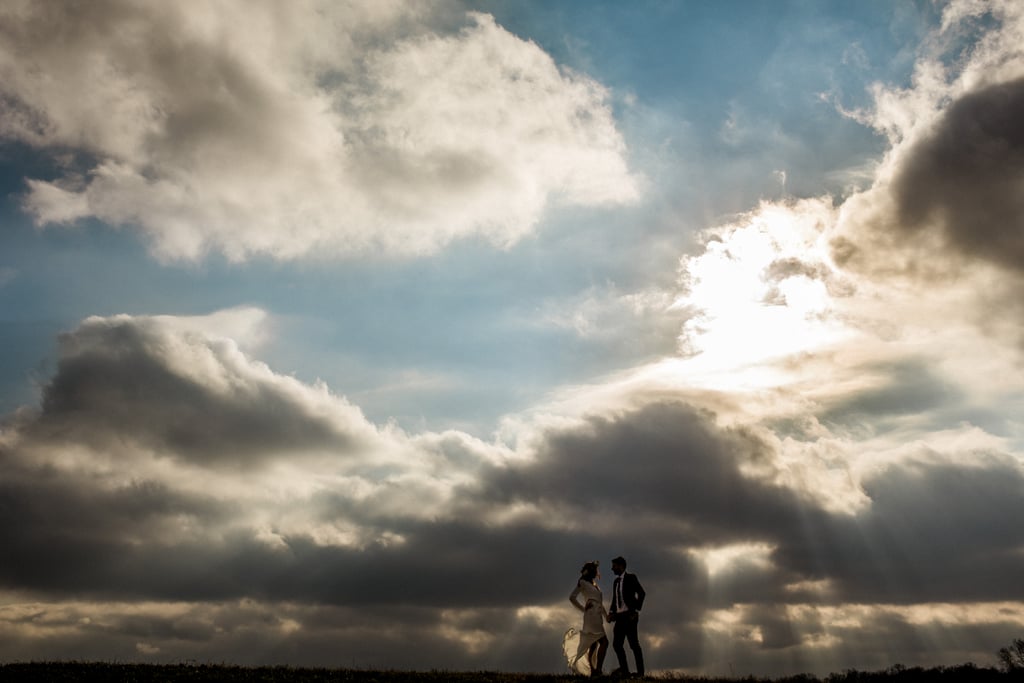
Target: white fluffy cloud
330,128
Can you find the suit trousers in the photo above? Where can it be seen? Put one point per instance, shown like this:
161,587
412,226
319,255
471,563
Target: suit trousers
625,630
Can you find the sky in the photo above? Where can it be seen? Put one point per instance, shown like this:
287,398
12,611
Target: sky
343,333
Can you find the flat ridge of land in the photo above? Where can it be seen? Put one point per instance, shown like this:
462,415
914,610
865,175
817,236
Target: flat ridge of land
104,672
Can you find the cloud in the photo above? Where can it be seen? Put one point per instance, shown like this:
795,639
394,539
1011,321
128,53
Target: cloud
954,193
893,391
188,395
616,323
682,476
908,547
966,177
199,523
946,198
692,484
330,129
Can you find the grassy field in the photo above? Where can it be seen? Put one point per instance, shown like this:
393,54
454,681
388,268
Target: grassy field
57,672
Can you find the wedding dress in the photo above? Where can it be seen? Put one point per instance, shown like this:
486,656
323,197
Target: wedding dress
576,644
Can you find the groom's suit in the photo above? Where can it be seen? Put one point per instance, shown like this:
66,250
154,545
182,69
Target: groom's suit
627,600
632,593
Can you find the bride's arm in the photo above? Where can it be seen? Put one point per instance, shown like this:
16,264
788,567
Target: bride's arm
574,601
604,612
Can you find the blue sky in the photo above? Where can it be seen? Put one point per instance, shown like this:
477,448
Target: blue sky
685,69
317,287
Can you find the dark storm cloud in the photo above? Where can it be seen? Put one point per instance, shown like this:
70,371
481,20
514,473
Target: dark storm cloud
905,388
865,642
121,550
935,531
667,464
931,529
251,633
967,177
132,379
50,522
684,479
777,630
661,483
750,581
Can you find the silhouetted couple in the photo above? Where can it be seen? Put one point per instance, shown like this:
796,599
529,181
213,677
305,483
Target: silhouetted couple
587,657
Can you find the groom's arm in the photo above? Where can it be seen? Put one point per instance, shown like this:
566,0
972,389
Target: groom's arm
640,594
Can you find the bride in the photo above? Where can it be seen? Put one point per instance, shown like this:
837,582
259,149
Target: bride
587,657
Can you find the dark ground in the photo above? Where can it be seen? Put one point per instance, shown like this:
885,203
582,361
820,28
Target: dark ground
58,672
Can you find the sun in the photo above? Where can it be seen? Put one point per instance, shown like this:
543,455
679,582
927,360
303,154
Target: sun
763,291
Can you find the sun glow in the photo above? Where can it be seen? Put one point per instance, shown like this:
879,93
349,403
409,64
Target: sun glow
720,559
763,291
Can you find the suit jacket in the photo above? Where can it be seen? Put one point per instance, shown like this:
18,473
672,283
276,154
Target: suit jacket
632,593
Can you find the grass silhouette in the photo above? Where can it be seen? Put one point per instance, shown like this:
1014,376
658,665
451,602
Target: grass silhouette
59,672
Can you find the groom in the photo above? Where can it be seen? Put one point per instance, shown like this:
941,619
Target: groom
627,599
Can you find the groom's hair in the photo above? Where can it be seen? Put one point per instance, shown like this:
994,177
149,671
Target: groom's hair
619,560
